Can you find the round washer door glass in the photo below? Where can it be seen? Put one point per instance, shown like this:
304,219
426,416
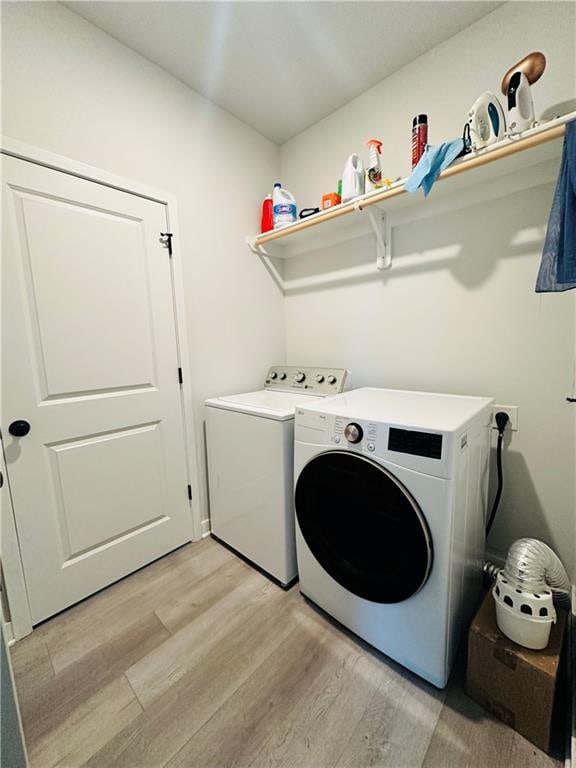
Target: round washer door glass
363,527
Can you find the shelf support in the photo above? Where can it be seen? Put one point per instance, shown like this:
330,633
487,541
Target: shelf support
383,231
266,259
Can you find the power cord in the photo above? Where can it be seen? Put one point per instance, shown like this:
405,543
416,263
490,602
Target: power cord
502,420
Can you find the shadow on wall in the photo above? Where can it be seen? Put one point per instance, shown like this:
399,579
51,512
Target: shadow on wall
519,495
458,313
468,243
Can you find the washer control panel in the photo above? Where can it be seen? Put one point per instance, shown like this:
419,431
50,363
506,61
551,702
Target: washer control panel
373,437
349,433
303,378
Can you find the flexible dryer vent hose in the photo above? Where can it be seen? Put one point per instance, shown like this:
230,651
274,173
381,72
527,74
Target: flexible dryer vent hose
532,565
525,591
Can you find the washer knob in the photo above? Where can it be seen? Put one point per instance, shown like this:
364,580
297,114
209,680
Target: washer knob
331,379
273,375
282,376
299,377
353,433
319,378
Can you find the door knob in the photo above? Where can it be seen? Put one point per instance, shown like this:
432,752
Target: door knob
19,428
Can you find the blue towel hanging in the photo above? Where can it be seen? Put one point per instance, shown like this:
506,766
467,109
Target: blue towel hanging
558,266
436,157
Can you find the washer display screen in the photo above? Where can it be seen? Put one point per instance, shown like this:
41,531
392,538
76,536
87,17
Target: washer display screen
363,527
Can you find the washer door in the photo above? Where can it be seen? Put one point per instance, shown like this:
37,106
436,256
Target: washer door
363,527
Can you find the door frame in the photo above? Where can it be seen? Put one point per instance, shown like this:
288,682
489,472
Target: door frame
12,564
19,621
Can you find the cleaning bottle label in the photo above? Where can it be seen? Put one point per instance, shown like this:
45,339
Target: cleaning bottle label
375,176
285,209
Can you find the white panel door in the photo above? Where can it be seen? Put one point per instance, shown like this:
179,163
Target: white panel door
90,361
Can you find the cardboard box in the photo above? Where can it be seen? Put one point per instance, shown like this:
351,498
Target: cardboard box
515,684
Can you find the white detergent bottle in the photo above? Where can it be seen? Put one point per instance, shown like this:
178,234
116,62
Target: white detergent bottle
283,206
352,178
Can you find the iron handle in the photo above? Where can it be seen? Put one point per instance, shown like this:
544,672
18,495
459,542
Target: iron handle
19,428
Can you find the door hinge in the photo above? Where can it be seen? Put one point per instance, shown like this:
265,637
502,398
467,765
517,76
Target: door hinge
190,492
167,239
180,379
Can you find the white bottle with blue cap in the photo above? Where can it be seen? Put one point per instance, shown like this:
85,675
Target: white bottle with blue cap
283,206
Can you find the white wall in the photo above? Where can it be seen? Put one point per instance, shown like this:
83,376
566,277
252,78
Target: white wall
71,89
458,312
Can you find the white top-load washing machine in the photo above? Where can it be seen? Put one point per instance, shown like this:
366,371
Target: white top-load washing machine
390,497
250,444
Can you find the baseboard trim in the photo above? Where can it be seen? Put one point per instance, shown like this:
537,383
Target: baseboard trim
8,633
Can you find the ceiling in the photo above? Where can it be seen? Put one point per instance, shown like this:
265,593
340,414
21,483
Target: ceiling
281,66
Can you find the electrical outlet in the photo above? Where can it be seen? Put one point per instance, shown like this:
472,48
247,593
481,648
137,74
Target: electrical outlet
511,410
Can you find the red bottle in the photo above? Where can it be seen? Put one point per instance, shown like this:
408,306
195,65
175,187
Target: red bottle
419,137
267,222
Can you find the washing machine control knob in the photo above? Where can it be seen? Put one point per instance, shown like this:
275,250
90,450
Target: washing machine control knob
353,433
282,376
299,377
273,375
331,379
319,378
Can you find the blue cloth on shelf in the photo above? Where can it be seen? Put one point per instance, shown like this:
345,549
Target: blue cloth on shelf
558,266
436,157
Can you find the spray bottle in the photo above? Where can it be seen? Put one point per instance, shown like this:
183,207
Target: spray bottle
374,172
419,138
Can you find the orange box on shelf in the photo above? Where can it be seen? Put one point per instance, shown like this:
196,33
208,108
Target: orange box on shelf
330,200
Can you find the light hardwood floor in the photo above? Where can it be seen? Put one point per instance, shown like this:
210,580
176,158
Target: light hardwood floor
200,661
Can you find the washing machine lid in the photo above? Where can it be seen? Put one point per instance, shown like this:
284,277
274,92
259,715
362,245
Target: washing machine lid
418,410
265,403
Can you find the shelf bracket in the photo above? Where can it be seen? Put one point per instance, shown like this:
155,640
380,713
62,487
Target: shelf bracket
259,250
266,259
383,232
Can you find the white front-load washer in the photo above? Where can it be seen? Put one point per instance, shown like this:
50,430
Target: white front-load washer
250,448
390,498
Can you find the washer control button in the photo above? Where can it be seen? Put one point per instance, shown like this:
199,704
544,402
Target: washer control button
371,447
299,377
353,433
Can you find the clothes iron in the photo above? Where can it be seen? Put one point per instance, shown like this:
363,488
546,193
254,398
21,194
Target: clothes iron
516,87
486,123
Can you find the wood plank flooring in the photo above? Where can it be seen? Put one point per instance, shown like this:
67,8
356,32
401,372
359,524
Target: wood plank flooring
199,661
